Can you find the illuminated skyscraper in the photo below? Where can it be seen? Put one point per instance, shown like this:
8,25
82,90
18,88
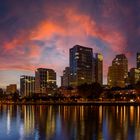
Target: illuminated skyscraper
81,59
118,72
45,80
27,85
98,68
138,60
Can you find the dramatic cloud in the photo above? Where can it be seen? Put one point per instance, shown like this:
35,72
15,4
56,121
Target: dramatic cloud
40,33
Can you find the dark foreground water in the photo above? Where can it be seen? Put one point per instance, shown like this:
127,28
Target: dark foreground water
69,122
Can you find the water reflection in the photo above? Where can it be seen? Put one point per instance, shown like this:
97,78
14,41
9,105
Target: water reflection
69,122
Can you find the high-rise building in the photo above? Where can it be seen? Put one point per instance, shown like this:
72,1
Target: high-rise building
65,79
134,75
118,72
45,80
98,68
138,60
81,59
12,88
27,85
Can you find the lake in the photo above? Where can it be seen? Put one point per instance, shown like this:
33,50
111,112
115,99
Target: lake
60,122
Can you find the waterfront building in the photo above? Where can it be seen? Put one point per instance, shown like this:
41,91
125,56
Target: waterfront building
45,81
65,79
134,75
27,85
81,62
138,60
1,91
118,72
98,68
12,88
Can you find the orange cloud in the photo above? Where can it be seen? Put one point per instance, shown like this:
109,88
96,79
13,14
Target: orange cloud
76,25
79,26
45,29
35,51
75,28
14,43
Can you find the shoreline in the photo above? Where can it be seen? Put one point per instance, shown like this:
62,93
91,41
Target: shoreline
94,103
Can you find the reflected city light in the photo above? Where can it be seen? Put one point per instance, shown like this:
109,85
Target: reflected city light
71,122
21,132
8,121
28,120
100,114
138,115
131,114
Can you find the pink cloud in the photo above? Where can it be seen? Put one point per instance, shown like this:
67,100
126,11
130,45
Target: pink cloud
76,29
35,51
79,26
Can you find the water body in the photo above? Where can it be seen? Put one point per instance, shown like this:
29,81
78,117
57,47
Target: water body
30,122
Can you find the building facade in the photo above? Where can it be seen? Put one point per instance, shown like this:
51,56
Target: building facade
12,88
45,80
98,68
81,62
27,85
118,72
134,76
65,79
138,60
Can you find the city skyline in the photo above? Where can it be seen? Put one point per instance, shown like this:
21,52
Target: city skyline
40,34
83,55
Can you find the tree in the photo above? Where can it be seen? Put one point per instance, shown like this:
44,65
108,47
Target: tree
97,89
93,90
15,96
137,85
84,90
109,94
69,88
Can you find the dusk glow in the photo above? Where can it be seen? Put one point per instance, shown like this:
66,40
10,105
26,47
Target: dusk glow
39,33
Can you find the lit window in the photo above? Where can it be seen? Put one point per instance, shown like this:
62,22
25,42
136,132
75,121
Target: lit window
76,57
82,78
76,53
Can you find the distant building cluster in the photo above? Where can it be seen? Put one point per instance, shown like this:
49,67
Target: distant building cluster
44,82
87,67
84,67
118,74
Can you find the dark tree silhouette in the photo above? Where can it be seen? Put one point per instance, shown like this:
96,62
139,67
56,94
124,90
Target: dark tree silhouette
15,96
137,85
93,90
109,94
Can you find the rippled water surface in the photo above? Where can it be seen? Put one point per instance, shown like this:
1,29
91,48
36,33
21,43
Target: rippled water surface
69,122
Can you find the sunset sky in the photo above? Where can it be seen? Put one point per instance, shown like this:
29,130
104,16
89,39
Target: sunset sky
39,33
